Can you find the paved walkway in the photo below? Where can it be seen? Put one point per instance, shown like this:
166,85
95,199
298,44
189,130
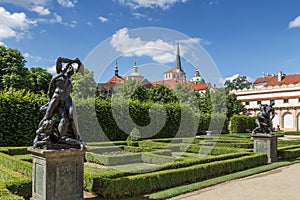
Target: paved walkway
278,184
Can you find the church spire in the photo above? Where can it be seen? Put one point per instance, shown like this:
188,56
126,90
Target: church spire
116,69
178,60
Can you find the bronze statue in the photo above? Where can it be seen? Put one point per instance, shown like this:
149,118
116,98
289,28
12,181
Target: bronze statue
264,119
58,128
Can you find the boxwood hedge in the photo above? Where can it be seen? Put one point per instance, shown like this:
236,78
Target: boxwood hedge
134,185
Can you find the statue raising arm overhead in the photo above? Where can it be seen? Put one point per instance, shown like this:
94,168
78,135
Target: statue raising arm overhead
60,108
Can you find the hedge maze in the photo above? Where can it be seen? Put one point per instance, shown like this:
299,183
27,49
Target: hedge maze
114,170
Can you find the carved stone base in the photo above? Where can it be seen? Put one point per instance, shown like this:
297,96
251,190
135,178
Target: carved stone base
57,174
266,143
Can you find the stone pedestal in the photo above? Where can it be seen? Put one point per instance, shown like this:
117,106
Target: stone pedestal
57,174
266,143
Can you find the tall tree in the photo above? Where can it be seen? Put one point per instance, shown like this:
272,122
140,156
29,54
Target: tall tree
234,106
239,82
205,102
163,94
132,89
13,72
187,95
84,85
39,79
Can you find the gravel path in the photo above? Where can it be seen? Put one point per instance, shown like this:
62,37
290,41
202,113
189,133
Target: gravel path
278,184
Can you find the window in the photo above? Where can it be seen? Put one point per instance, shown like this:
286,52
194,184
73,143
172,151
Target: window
299,100
272,101
285,100
247,103
258,102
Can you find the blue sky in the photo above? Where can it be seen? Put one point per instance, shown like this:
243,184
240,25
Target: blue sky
246,37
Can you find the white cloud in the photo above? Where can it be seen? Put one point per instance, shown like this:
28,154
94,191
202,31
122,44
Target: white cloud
14,24
231,78
31,57
37,6
163,4
67,3
295,23
139,15
52,70
159,50
102,19
41,10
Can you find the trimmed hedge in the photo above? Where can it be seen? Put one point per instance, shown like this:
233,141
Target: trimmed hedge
111,160
105,149
240,123
15,164
14,150
15,176
20,116
289,153
5,194
156,159
146,183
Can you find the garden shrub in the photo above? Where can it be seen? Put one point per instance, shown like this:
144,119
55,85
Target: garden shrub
240,123
20,116
134,137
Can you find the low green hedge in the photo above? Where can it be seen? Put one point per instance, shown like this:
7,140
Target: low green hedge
289,153
146,183
105,149
110,143
15,182
111,160
15,164
5,194
152,145
14,150
25,157
156,159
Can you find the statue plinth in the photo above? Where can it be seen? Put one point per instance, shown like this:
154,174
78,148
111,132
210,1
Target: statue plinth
57,174
266,143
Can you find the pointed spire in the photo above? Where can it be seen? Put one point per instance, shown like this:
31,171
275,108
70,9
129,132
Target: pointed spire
134,61
116,69
178,60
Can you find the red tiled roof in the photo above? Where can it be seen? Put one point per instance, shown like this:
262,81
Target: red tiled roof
116,79
273,80
172,70
198,86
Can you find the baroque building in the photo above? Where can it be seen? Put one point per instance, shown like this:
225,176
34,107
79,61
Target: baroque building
283,90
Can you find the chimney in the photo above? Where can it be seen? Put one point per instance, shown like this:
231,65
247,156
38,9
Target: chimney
279,77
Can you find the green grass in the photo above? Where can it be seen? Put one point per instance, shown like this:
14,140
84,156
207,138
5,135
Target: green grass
292,133
200,185
25,157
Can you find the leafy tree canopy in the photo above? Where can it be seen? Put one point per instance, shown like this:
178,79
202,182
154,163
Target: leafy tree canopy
239,82
162,94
